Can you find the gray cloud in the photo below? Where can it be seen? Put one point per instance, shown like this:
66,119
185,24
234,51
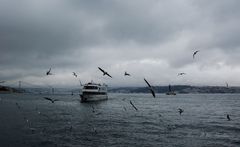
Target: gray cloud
147,37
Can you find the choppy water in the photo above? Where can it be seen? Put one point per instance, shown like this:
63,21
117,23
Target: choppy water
29,120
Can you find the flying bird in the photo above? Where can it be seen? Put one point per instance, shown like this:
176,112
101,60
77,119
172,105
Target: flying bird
181,73
133,106
2,81
228,117
150,88
180,111
195,53
104,72
93,109
126,74
74,74
49,72
52,100
80,83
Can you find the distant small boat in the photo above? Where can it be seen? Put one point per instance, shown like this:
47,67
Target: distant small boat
170,92
93,92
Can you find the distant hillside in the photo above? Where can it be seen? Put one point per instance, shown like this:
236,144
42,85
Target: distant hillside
5,89
157,89
178,89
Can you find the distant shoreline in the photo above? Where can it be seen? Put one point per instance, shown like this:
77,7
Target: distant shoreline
6,89
179,89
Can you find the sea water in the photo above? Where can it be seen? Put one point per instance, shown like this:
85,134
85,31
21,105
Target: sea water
30,120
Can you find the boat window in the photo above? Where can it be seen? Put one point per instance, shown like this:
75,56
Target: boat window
90,87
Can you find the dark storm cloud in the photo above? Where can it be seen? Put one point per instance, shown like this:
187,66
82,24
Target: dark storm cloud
41,31
81,35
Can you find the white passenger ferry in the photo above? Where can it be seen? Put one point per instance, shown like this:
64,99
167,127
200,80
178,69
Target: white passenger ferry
93,92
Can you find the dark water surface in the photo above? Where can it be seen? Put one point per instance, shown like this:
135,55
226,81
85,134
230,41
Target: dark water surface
30,120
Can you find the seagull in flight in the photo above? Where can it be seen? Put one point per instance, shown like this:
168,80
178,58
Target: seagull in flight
80,83
133,106
228,117
181,73
74,74
52,100
150,88
104,72
180,111
49,72
195,53
93,109
126,74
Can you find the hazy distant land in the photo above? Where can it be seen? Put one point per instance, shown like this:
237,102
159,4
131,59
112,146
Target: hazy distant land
178,89
6,89
184,89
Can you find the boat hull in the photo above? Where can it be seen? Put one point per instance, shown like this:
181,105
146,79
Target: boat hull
93,97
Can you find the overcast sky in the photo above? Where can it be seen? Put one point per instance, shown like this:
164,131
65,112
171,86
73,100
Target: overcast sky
154,39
